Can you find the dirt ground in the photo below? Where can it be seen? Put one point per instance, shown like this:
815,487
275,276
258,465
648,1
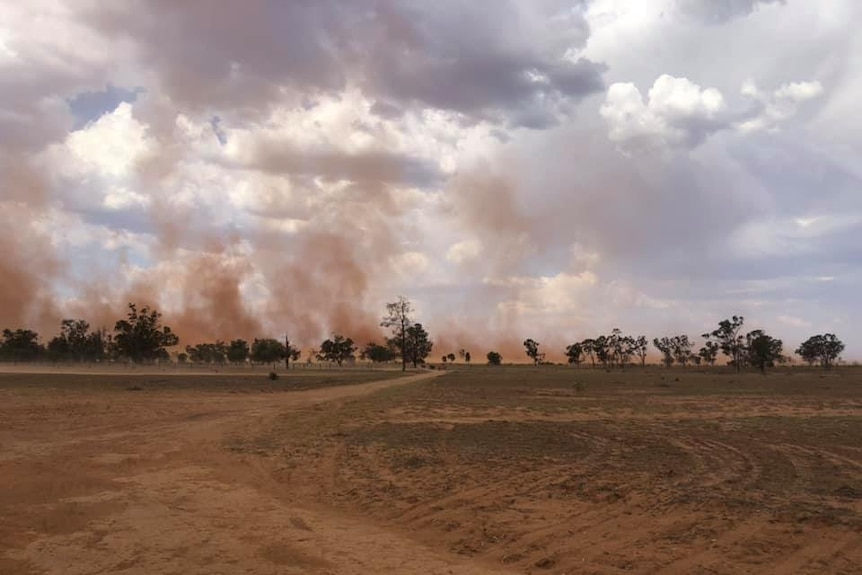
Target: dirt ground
484,470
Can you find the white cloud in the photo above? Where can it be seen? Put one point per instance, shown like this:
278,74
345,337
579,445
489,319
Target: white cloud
677,113
779,106
109,147
681,114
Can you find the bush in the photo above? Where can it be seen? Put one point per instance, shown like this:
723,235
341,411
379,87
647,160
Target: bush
273,376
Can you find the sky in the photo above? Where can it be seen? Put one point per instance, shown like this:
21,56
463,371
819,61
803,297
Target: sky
550,169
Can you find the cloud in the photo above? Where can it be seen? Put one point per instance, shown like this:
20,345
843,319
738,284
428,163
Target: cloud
681,114
464,252
264,166
779,106
721,11
677,113
472,59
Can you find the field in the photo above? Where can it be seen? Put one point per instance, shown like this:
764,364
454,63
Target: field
471,471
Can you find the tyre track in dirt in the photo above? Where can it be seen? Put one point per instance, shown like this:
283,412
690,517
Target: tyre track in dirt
160,494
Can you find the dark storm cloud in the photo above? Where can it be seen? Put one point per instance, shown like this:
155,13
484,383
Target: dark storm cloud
480,59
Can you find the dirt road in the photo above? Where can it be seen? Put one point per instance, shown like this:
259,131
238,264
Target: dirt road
142,484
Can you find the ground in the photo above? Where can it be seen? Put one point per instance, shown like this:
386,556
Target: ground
475,470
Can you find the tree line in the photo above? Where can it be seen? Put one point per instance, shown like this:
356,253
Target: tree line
753,349
141,337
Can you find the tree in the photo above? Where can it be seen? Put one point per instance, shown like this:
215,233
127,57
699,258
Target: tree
621,347
602,349
665,346
467,358
20,345
462,353
208,352
451,358
292,353
708,353
77,343
589,347
58,349
729,339
378,353
267,350
238,351
444,359
142,337
575,353
639,348
823,349
182,357
398,319
763,350
681,347
532,349
338,349
419,346
494,358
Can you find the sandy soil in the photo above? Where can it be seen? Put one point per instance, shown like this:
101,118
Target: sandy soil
142,484
559,471
483,471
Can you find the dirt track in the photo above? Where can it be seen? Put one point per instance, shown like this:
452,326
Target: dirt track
510,470
142,484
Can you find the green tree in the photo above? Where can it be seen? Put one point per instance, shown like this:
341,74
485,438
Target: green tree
58,349
377,353
494,358
763,350
77,343
398,318
141,337
823,349
77,333
267,350
589,347
532,349
21,345
575,354
419,345
619,347
665,346
208,352
337,349
681,348
639,348
729,339
238,351
708,353
602,349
